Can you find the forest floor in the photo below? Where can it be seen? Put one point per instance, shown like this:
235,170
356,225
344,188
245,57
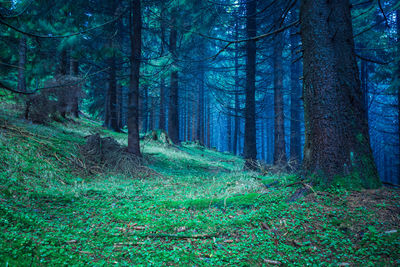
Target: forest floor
186,205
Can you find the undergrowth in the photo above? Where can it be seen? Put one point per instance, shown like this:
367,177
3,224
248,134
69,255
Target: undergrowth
190,206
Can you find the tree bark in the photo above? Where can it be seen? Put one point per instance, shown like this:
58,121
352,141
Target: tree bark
200,109
337,141
74,71
237,119
173,115
280,157
161,119
250,146
136,51
21,64
229,131
295,102
112,92
398,92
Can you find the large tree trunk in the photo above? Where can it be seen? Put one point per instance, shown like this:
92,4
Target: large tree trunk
250,146
295,102
136,51
173,115
337,141
279,118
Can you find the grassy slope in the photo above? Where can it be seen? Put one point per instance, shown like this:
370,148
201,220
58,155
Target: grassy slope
196,208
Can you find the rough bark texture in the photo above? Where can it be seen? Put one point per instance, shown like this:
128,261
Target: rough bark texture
173,115
250,146
295,102
337,140
136,51
279,118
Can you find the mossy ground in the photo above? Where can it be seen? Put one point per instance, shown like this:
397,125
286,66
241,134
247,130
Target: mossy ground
195,207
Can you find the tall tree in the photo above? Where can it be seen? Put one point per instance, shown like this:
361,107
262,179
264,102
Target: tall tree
21,64
337,140
398,91
279,117
173,115
250,146
136,51
295,102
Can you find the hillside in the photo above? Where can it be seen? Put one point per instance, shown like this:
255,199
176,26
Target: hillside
186,205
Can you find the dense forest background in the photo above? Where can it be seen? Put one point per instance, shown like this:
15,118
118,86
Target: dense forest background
226,74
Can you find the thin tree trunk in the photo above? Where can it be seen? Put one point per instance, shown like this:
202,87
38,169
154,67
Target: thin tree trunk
229,131
337,140
21,64
279,118
250,146
161,120
295,102
21,73
112,89
173,115
398,93
208,115
136,51
74,71
237,119
200,109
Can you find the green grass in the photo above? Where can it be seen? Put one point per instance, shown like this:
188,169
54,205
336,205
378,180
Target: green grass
196,207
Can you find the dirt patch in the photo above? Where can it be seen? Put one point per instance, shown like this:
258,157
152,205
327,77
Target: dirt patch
382,205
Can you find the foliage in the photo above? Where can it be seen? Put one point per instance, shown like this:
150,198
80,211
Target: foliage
196,207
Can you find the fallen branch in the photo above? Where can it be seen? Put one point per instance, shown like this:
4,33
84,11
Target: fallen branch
176,236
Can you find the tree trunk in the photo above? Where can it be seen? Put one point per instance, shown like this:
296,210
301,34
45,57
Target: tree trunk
337,141
208,115
161,120
62,70
398,92
295,102
279,118
173,115
74,71
250,146
136,51
112,92
21,73
21,64
229,131
237,119
200,109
